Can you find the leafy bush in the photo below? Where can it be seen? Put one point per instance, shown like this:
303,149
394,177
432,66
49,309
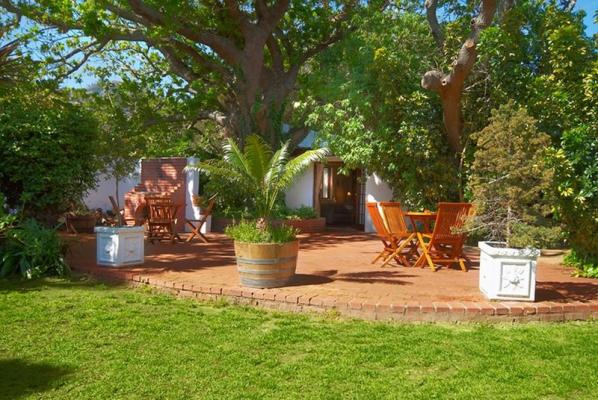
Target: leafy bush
249,232
32,251
47,152
509,179
585,265
541,237
303,212
576,194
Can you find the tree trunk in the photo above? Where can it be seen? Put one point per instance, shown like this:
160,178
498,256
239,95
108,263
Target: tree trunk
450,85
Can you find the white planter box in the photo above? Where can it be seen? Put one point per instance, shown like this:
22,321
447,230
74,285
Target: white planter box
506,273
118,246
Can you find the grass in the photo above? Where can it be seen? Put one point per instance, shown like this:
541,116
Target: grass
76,339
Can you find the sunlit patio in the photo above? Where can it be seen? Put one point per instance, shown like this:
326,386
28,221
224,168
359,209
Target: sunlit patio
334,272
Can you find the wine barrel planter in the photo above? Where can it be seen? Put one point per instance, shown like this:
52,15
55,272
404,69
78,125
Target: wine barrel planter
266,265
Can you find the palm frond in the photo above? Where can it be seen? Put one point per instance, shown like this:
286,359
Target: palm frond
298,164
217,168
235,158
258,155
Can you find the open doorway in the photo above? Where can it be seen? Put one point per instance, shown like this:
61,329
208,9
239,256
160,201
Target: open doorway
338,196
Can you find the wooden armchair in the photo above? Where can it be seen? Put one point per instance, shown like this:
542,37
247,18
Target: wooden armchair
445,245
161,222
119,214
389,241
395,222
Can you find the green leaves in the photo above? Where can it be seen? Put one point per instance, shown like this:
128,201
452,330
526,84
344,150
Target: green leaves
32,251
47,151
509,179
575,167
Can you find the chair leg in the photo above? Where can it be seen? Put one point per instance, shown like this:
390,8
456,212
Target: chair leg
462,265
379,256
430,262
425,254
396,252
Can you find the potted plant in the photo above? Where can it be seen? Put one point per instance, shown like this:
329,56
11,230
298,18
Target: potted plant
266,254
80,219
509,182
119,245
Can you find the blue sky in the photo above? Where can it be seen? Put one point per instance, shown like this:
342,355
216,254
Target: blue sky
590,7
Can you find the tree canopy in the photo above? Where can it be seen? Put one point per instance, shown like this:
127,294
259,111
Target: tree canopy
242,59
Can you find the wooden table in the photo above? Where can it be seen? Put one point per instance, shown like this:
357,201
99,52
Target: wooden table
426,218
162,221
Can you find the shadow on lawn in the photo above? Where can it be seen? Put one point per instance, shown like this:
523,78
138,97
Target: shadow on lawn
20,378
76,280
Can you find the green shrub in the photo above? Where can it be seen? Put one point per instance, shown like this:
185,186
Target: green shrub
32,250
575,167
248,232
47,152
509,179
541,237
585,266
303,212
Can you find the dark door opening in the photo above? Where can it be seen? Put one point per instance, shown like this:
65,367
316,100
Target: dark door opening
339,196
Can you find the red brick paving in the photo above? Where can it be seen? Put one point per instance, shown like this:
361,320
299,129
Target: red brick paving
334,272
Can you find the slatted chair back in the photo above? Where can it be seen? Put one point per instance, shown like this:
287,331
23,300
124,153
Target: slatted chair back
395,219
377,220
450,218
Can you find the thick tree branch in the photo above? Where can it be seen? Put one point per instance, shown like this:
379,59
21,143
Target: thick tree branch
224,47
450,85
435,27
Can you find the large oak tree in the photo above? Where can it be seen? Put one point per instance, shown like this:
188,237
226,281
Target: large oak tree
249,52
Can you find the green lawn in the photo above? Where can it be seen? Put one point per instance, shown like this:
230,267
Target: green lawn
76,339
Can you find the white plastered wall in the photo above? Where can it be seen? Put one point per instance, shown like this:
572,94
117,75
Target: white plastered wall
301,193
375,190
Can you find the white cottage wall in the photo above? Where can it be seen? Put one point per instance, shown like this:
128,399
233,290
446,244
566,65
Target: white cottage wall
98,197
301,193
375,190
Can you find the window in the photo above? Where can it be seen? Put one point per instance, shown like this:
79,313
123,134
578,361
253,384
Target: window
326,183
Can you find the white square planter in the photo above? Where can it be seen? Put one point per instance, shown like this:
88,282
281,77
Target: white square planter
118,246
506,273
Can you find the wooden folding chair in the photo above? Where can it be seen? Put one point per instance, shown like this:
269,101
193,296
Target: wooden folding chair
445,246
196,224
388,240
395,222
119,218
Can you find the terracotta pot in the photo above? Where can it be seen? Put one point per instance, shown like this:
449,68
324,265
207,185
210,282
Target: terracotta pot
81,223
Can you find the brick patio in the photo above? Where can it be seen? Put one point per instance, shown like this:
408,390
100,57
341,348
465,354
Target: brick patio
334,273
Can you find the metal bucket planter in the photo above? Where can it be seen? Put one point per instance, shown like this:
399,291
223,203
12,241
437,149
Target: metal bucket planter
266,265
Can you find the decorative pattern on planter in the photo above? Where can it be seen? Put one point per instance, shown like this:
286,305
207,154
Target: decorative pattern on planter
507,274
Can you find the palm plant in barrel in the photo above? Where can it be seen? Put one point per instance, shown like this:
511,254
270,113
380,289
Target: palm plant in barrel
266,254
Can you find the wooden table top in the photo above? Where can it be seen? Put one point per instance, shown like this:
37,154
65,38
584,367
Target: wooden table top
420,214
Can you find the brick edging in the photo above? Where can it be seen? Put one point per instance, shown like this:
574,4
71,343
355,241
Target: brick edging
409,311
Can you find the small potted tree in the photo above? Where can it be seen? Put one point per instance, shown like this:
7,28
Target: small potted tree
266,254
509,182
